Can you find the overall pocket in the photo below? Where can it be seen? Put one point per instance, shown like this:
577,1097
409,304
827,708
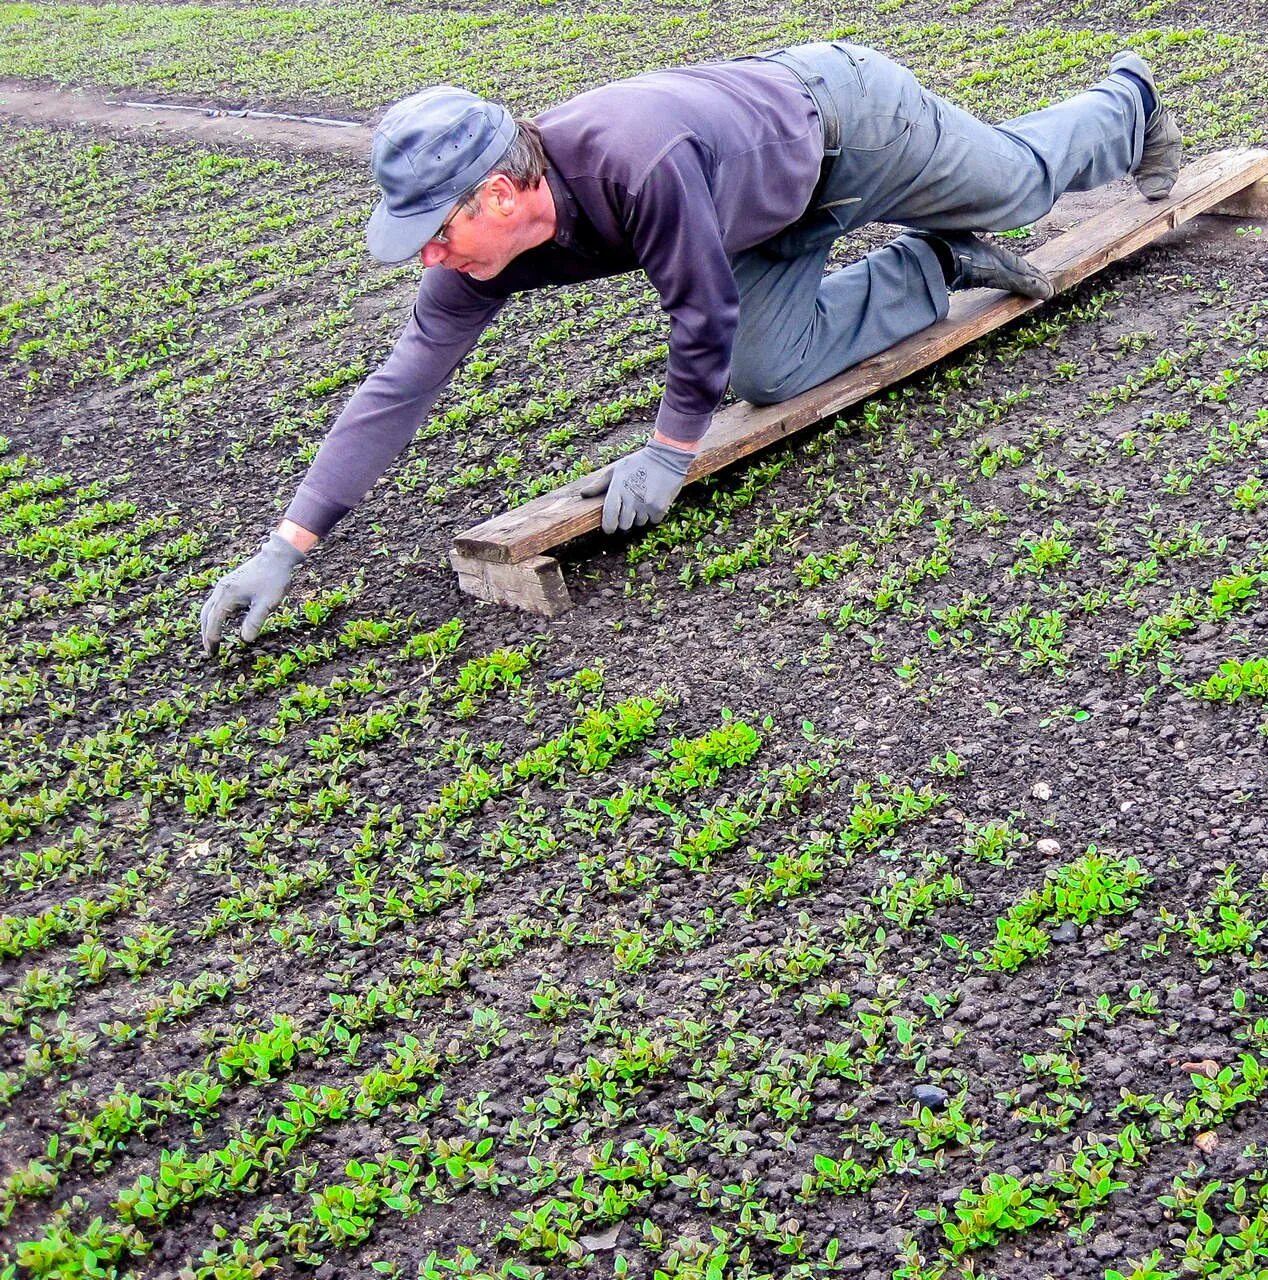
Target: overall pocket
852,55
863,177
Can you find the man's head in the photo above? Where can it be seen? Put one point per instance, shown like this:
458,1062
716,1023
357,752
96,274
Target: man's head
461,183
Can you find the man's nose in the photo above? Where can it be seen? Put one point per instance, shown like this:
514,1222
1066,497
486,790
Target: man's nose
433,254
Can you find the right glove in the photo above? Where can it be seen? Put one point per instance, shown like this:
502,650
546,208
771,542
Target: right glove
641,487
256,586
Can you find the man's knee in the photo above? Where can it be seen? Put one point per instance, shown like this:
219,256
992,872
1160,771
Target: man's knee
756,376
756,391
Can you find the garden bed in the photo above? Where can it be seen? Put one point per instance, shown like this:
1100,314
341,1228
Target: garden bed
866,878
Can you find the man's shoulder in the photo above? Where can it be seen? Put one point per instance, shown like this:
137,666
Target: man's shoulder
609,132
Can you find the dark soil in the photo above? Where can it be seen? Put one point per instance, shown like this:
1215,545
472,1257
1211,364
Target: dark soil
1076,753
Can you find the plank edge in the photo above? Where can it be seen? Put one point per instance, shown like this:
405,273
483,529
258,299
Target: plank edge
535,585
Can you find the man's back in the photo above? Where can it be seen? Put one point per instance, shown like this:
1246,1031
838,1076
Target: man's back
749,126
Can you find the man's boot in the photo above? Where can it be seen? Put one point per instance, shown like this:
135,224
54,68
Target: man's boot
970,263
1159,165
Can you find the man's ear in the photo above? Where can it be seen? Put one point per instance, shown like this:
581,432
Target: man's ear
502,195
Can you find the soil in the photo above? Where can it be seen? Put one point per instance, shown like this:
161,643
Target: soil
1080,754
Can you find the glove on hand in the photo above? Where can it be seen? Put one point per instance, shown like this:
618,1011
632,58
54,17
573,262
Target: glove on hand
256,586
640,487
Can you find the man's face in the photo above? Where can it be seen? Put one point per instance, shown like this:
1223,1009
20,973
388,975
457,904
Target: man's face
482,242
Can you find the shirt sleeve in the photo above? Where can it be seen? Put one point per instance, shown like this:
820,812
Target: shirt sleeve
673,224
389,406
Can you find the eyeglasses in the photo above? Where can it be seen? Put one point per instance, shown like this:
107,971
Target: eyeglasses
441,236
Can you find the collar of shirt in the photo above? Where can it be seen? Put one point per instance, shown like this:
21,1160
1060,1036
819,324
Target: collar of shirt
565,209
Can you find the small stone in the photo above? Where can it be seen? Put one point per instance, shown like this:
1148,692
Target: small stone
929,1095
1041,791
1067,931
196,852
1207,1067
1106,1246
1048,847
1206,1142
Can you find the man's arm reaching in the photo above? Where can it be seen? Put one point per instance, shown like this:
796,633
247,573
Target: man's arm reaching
388,407
374,427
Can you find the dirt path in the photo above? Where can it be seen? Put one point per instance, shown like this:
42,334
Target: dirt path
47,104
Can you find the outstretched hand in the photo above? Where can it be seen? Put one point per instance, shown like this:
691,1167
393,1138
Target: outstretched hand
257,586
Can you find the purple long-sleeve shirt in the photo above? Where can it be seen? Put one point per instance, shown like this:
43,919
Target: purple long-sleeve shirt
674,172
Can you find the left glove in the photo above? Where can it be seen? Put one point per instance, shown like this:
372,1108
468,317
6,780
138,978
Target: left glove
641,487
256,586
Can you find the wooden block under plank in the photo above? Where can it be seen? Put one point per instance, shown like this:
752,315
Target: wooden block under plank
743,429
1251,202
535,584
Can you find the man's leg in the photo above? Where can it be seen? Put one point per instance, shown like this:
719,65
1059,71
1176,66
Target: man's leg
994,178
924,162
798,327
912,158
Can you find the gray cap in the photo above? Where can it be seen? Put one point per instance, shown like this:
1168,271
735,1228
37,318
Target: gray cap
430,149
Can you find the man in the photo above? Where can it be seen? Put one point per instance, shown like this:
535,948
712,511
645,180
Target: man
727,184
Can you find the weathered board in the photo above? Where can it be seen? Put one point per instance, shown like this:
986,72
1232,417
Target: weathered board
1215,181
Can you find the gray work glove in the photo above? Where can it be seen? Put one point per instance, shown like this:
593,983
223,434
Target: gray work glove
256,586
641,487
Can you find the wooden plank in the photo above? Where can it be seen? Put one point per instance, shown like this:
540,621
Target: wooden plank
743,429
1250,202
536,584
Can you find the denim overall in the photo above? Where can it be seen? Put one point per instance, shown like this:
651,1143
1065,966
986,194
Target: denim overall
894,152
